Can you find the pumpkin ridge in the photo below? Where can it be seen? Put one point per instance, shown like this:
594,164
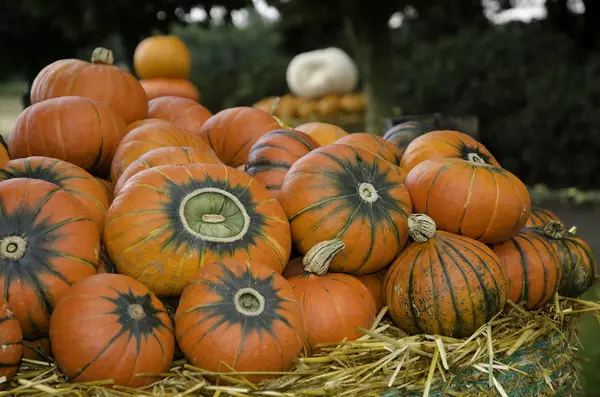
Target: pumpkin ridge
98,158
432,184
371,244
545,278
317,205
496,199
465,150
502,173
468,201
391,223
267,165
523,256
410,293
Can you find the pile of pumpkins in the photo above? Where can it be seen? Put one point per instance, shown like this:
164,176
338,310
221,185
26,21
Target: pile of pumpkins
131,228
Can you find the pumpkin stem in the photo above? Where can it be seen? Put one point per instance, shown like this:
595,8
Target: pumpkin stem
573,230
319,257
421,228
249,301
13,247
102,55
274,108
555,230
476,159
136,312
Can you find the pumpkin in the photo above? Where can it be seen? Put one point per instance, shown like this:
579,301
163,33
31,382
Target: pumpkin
294,268
576,258
323,133
334,304
540,217
140,123
4,157
39,350
169,221
401,135
99,80
68,177
373,144
328,106
445,144
306,108
11,340
266,104
470,197
338,193
109,326
286,107
105,264
242,313
107,186
533,268
164,156
444,283
273,154
78,130
374,283
184,113
47,242
149,137
162,56
158,87
353,103
232,132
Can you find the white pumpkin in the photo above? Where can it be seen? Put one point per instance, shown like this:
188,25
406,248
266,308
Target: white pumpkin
327,71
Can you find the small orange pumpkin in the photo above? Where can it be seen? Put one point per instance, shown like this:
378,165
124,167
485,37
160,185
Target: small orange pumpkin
158,87
323,133
162,56
328,106
184,113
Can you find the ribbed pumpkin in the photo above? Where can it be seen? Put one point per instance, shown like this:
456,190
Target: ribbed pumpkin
242,313
334,304
401,135
68,177
170,87
323,133
470,197
540,217
444,283
445,144
79,130
374,283
149,137
11,341
577,260
185,113
139,123
38,349
47,242
232,132
162,56
109,326
533,268
169,221
165,156
107,187
99,80
273,154
340,193
373,144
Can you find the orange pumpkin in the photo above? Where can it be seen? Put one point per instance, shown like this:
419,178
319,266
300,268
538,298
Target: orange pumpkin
373,144
328,106
109,326
294,268
11,340
338,193
38,349
306,108
286,107
353,103
445,144
265,104
164,156
162,56
242,313
107,187
99,80
48,243
540,217
374,283
273,154
149,137
169,221
78,130
4,157
470,198
158,87
67,176
105,264
184,113
323,133
232,132
533,268
139,123
401,135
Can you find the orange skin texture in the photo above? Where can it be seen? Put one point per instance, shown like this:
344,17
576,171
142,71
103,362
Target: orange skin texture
138,225
442,144
84,324
232,132
274,153
320,195
170,87
323,133
78,130
532,267
165,156
294,268
11,338
184,113
207,337
140,123
486,203
540,217
328,106
374,283
333,305
148,137
4,157
105,265
162,56
77,249
373,144
108,188
440,286
73,179
353,103
38,349
109,84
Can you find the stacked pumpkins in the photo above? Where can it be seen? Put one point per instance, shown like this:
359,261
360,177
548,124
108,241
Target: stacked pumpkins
268,241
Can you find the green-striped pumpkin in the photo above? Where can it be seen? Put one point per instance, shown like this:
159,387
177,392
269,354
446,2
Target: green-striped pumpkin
404,133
